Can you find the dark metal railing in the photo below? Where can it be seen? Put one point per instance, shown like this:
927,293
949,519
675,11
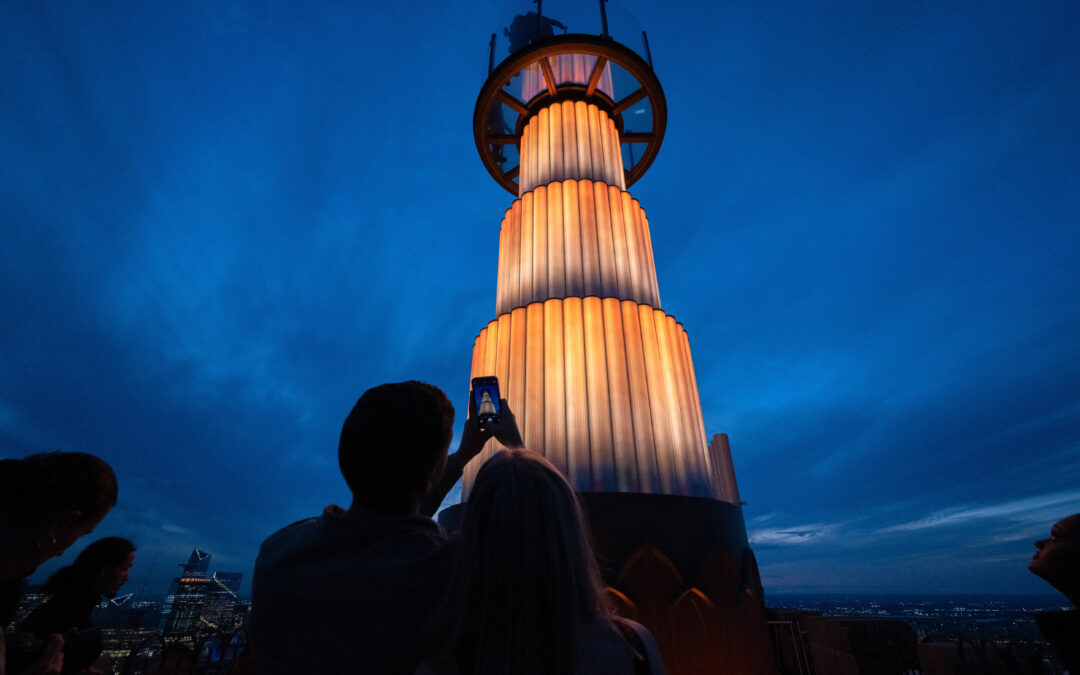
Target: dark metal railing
790,653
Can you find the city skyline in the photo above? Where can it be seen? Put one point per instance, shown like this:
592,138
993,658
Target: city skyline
221,221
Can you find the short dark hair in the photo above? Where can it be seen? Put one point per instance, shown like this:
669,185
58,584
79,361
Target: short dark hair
94,559
58,481
395,436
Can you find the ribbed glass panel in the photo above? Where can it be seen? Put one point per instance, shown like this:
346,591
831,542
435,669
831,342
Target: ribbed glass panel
723,470
542,128
601,451
556,247
533,428
604,389
540,242
525,251
622,425
609,280
554,384
574,239
575,280
555,130
601,379
640,406
571,139
590,253
671,397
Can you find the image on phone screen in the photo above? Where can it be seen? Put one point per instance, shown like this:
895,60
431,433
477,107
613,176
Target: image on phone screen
486,394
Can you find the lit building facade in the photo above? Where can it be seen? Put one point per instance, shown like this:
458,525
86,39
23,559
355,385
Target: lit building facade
220,610
197,566
188,604
198,603
32,597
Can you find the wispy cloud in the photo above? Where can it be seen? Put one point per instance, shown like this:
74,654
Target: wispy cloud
958,516
799,535
1017,558
202,297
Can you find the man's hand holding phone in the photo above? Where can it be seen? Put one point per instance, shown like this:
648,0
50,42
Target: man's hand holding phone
495,420
502,426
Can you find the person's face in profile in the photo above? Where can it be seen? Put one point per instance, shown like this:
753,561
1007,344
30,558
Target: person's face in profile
1058,557
65,529
114,577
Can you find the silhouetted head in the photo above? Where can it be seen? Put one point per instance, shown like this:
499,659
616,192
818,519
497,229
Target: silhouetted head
47,501
102,568
393,444
1057,559
527,577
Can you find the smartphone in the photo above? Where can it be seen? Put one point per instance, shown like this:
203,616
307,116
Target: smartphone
485,393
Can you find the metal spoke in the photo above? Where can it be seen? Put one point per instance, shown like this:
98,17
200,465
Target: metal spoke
549,77
594,77
629,101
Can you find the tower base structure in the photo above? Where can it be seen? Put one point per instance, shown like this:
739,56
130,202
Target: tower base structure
680,566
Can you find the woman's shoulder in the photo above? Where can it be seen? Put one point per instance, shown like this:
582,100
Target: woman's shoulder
617,645
643,642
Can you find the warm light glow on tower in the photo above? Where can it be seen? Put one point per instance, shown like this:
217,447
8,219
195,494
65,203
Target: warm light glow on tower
600,377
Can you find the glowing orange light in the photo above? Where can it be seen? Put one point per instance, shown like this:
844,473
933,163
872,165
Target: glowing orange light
578,141
574,238
601,387
599,376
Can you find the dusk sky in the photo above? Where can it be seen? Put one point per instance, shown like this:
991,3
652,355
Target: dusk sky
220,222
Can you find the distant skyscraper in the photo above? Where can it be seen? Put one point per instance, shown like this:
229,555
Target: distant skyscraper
197,603
189,600
197,565
230,580
219,612
33,596
125,623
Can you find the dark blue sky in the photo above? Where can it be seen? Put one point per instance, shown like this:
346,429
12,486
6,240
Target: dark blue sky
221,222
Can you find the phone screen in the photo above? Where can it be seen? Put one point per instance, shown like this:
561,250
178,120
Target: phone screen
486,394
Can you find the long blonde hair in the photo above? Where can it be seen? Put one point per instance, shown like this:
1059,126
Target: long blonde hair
526,580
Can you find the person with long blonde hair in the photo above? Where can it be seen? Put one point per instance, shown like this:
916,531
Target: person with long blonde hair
526,595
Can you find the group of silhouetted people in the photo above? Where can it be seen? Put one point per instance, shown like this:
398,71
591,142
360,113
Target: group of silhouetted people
47,502
378,587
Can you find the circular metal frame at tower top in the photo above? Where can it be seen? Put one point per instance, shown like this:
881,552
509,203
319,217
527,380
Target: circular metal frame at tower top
494,133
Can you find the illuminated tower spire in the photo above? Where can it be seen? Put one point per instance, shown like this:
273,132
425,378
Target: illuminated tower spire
600,377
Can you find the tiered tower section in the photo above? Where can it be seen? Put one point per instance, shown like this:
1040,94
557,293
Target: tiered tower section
600,377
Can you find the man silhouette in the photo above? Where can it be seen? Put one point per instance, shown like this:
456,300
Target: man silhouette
349,591
1057,560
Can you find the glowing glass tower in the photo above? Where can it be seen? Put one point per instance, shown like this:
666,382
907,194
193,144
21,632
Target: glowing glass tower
599,375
